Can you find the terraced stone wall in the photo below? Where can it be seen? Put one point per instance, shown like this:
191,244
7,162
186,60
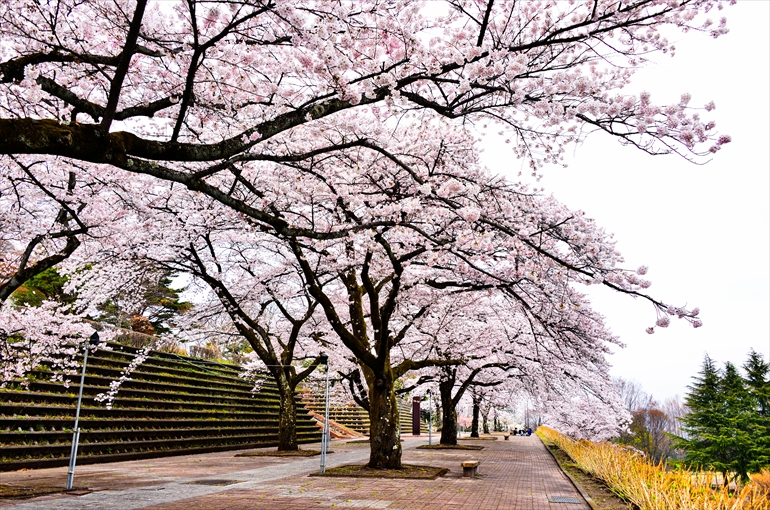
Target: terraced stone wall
173,405
356,417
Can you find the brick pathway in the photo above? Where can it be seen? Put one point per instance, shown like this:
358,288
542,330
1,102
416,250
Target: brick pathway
516,474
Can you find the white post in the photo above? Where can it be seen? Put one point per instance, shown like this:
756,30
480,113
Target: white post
94,339
326,432
430,418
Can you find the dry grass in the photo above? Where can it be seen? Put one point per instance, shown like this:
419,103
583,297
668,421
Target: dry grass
762,480
651,487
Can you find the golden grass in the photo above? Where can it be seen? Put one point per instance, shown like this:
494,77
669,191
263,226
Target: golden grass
649,486
762,479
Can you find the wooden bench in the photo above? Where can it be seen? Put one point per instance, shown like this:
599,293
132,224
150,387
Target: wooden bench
470,468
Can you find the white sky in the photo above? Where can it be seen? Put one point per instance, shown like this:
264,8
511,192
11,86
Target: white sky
704,231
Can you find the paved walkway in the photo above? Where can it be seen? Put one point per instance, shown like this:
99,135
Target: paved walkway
517,474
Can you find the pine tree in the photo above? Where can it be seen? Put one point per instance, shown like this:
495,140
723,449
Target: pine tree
155,312
758,381
704,426
743,434
726,428
758,384
46,285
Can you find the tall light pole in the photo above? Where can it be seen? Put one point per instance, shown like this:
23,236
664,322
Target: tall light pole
323,359
93,340
430,418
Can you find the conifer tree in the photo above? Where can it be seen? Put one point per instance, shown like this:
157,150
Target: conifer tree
46,285
742,433
151,305
704,424
758,381
758,385
725,429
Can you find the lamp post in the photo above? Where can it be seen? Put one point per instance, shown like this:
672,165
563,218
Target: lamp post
93,340
323,359
430,418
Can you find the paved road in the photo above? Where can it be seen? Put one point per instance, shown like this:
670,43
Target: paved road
515,474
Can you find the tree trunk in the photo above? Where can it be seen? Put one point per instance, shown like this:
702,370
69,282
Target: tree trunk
384,425
287,417
448,414
486,422
475,422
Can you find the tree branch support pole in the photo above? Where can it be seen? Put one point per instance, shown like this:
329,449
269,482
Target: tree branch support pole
93,340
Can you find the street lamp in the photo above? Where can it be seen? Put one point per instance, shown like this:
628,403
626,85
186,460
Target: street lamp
430,418
323,359
93,340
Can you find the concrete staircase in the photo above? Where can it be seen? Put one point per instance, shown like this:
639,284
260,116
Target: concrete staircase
173,405
354,416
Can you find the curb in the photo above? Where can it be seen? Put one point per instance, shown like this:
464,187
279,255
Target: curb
579,488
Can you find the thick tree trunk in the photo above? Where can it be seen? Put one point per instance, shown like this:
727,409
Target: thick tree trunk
475,422
287,417
448,414
486,422
384,425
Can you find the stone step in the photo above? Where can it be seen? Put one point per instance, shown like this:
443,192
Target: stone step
172,405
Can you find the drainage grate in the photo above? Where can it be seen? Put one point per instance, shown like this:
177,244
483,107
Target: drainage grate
217,483
563,499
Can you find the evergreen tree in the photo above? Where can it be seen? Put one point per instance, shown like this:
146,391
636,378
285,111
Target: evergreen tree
743,434
758,381
726,429
162,304
705,423
155,312
46,285
758,384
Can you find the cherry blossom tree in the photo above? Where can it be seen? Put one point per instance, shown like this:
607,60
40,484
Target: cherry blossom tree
245,284
264,296
215,81
414,231
346,131
583,412
508,355
467,329
206,94
41,224
424,220
374,321
541,77
200,92
48,210
478,397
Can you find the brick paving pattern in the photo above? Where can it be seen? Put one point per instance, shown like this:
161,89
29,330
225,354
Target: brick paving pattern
518,474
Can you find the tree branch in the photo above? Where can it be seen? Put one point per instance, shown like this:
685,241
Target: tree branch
122,68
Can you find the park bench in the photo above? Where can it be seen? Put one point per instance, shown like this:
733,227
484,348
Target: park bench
470,468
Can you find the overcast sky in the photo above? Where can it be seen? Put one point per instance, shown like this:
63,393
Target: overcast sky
704,231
